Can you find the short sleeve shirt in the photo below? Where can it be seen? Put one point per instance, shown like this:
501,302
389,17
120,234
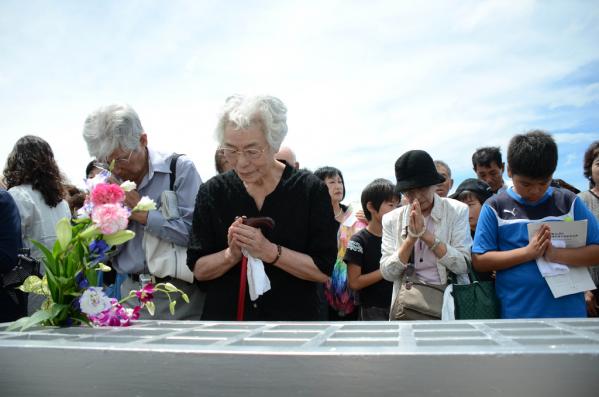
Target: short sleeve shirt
364,250
502,226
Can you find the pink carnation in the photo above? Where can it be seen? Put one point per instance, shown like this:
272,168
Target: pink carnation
107,193
110,218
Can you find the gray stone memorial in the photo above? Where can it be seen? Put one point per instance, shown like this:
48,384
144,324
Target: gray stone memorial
556,357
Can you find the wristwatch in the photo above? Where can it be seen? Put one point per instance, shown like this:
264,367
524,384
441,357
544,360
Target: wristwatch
435,244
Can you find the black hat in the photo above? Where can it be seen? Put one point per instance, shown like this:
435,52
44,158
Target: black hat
476,186
416,169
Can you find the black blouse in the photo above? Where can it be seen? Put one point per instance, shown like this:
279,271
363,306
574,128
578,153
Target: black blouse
304,221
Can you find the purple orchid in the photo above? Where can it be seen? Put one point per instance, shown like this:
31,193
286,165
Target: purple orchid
116,316
145,294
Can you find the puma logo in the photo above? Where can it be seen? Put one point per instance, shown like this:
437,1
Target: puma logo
512,212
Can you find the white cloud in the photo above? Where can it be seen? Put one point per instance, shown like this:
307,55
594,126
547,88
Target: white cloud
363,82
576,137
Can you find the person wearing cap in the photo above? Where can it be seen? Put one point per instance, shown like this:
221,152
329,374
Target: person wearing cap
474,193
430,235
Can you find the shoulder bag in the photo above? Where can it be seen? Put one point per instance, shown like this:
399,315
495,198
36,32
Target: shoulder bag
165,258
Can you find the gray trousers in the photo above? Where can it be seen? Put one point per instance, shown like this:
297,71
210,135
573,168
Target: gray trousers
183,311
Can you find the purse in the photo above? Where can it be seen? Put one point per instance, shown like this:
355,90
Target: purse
418,301
475,301
165,258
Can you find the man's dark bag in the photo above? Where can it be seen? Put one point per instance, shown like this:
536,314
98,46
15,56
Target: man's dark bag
475,301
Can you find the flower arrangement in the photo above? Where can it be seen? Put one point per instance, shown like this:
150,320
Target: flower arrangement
73,264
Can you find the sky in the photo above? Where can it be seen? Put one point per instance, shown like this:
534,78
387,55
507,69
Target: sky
363,81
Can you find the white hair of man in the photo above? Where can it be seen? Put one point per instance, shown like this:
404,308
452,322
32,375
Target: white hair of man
242,111
444,165
111,127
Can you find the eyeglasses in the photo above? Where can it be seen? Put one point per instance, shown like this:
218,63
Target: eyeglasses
233,154
117,162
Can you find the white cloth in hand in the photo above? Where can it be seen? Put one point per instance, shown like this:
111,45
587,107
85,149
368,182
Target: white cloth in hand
257,279
549,269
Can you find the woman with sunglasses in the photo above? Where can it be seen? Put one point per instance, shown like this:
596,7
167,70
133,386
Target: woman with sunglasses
296,254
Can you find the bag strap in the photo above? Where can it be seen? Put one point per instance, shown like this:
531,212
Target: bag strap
174,169
471,273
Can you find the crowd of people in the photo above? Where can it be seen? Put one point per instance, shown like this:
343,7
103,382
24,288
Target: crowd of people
322,259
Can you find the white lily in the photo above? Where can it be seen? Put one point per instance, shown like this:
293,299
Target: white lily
128,186
145,204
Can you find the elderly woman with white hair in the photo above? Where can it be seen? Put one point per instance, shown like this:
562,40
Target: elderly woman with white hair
296,254
114,135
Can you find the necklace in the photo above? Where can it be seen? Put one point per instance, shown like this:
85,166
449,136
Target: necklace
339,213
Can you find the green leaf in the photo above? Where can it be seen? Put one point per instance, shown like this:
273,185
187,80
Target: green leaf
49,260
56,249
17,324
47,304
91,231
64,232
171,307
28,322
92,276
33,285
65,281
53,286
59,313
119,237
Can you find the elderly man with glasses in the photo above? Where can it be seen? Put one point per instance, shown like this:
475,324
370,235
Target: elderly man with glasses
115,137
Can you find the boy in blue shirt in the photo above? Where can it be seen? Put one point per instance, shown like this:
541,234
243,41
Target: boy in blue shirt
501,240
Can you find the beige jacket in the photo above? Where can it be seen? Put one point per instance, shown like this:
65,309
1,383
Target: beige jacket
450,218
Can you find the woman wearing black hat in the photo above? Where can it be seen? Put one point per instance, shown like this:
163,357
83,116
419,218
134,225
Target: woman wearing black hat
423,241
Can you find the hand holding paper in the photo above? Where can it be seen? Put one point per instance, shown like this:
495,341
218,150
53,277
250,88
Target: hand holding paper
539,241
563,235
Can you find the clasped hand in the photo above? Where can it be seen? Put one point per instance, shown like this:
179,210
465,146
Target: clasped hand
416,221
241,236
540,244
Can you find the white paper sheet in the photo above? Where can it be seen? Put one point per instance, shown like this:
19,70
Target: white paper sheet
573,235
578,279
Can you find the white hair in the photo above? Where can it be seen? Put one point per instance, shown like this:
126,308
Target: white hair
111,127
242,111
444,165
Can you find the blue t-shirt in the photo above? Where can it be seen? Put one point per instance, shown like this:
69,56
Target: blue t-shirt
502,226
